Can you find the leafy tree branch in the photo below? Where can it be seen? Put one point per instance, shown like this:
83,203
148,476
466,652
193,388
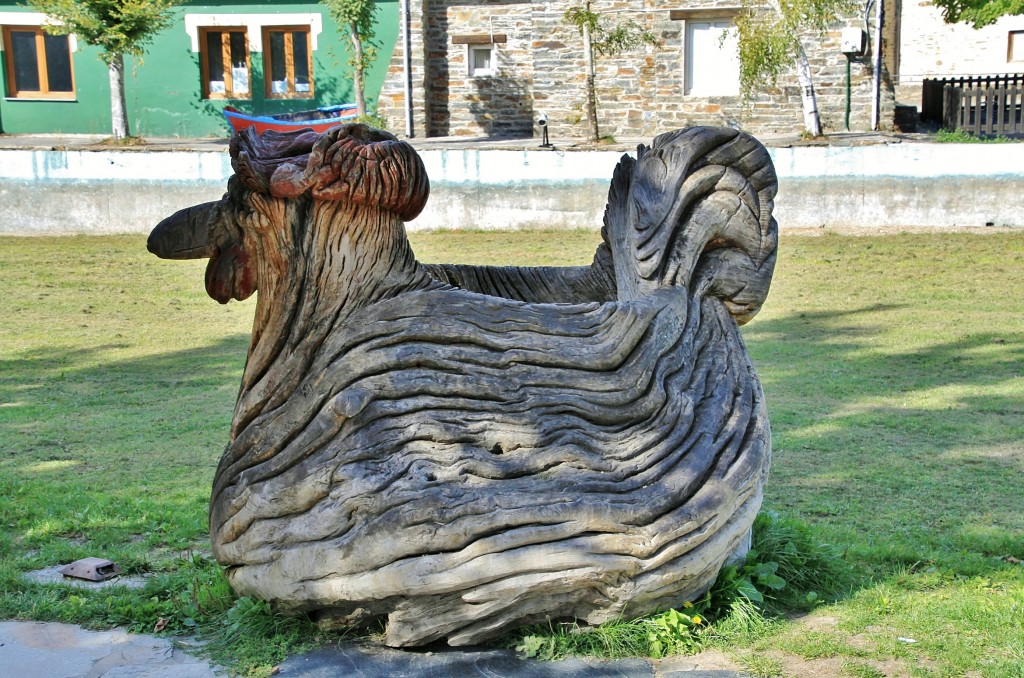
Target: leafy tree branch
357,16
771,42
978,13
117,27
606,42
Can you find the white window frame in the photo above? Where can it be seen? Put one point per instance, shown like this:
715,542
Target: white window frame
37,20
1015,47
254,24
482,72
686,18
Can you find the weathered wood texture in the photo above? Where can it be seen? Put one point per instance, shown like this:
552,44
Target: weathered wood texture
463,449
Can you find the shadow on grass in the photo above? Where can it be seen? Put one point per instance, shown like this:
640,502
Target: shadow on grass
112,456
904,455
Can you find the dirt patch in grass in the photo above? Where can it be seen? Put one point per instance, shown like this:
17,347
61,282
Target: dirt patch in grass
798,667
815,621
865,661
895,230
708,660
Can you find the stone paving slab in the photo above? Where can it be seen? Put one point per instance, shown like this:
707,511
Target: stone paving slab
54,650
372,661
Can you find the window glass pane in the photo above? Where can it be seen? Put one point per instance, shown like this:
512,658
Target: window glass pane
712,58
58,63
278,67
481,59
215,62
301,58
238,49
239,63
26,62
1016,52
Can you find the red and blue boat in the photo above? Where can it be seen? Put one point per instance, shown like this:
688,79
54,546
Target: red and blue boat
319,119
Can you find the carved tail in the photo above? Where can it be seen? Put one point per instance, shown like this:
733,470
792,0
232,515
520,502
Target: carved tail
695,210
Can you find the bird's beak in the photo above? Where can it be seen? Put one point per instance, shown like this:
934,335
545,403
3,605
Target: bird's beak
188,233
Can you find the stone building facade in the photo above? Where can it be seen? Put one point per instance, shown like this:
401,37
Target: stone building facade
928,47
533,63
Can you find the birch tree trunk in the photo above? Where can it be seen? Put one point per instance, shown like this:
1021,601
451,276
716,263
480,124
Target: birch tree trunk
118,108
357,69
812,121
588,55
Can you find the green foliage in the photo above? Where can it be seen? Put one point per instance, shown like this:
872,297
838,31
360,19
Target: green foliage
769,37
613,640
115,26
791,566
582,18
601,41
978,13
357,15
250,630
609,41
762,666
677,632
373,120
786,569
960,136
182,594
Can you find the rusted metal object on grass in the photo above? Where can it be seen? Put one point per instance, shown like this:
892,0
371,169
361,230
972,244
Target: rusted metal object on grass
91,569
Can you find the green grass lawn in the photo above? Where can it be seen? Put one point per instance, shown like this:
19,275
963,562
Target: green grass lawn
893,368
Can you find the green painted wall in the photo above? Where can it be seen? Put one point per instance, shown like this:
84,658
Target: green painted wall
164,92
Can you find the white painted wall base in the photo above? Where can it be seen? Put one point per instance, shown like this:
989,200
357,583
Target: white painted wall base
870,187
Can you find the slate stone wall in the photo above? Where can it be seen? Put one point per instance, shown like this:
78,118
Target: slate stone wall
640,93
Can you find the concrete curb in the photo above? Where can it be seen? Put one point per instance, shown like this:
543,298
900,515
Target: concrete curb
54,650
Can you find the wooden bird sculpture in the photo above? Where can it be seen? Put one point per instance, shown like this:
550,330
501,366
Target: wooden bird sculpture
463,449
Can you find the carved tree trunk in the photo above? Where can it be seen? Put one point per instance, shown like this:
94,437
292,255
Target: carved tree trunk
444,447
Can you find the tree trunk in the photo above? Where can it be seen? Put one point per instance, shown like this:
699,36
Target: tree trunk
118,108
357,69
812,121
588,55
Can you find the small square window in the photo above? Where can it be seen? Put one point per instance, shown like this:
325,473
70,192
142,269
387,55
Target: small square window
39,65
482,60
1015,49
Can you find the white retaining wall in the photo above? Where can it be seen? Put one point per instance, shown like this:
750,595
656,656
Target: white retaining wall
880,186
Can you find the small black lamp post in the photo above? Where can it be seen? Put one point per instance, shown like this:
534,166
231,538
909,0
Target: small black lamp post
542,122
